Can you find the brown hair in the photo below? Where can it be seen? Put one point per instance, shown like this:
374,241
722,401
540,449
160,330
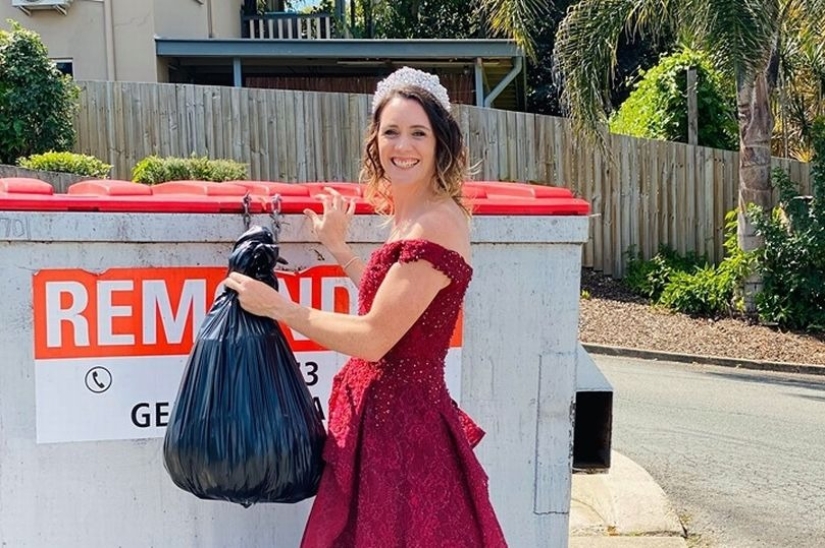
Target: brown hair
450,152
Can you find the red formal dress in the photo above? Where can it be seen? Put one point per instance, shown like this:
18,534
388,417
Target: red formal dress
400,469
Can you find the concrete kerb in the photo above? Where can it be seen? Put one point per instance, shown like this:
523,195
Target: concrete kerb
624,502
627,542
758,365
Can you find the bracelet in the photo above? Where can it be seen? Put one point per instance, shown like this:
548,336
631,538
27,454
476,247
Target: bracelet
346,265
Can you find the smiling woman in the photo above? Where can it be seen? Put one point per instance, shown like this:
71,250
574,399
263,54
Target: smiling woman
412,134
400,469
406,144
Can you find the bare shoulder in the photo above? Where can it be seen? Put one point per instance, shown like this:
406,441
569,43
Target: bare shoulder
446,225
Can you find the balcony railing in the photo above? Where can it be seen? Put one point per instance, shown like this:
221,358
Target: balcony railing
288,26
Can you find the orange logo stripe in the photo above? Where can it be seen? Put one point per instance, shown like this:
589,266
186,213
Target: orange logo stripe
155,311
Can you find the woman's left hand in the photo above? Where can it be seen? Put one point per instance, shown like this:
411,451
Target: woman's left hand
256,297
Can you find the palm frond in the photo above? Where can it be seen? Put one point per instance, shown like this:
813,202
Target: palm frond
801,75
584,56
654,18
516,19
741,34
813,11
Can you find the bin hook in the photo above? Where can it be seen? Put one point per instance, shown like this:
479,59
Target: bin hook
247,219
275,215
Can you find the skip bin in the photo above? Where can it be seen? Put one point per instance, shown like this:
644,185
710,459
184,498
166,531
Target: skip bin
105,288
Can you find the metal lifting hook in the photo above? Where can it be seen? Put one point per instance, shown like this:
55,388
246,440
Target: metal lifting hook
247,218
276,216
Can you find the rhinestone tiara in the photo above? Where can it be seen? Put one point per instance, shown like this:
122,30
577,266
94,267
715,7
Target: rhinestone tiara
407,76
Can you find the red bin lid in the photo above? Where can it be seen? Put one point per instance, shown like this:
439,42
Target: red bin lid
199,188
271,188
110,187
483,197
502,198
350,190
24,185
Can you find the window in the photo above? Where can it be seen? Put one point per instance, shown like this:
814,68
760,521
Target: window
66,66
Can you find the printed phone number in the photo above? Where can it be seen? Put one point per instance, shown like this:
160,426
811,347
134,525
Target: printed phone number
156,414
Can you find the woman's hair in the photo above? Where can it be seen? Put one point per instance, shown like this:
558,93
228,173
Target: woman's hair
450,152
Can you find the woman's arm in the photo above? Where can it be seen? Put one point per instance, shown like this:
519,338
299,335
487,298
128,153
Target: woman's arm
352,264
406,292
331,230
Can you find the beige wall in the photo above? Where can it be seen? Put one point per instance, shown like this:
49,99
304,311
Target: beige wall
226,18
190,18
81,34
180,18
134,40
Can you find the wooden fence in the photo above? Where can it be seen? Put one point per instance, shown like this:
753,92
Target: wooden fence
643,193
60,181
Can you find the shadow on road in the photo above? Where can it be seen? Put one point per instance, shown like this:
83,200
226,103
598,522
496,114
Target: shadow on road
811,382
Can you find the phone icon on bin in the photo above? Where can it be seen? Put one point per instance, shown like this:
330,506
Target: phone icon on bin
98,379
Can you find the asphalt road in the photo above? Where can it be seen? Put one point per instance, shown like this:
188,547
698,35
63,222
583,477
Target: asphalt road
740,454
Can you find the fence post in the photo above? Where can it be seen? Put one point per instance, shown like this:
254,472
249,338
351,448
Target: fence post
693,108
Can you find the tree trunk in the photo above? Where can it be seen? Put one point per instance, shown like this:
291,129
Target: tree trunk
755,129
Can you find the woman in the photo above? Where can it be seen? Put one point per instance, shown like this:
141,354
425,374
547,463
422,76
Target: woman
400,470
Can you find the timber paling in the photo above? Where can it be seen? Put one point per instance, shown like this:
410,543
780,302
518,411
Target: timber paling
643,193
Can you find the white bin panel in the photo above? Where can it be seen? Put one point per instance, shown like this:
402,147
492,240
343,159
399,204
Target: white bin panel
107,493
517,379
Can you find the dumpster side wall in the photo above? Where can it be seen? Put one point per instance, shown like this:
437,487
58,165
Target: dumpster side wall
518,382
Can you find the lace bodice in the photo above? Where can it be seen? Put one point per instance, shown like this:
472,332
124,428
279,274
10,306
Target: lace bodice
429,338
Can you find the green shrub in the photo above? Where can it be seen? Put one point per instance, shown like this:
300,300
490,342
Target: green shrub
708,290
640,274
689,284
223,170
701,293
650,277
792,259
738,265
67,162
153,170
37,102
657,108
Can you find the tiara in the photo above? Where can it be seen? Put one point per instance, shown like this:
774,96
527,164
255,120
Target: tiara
407,76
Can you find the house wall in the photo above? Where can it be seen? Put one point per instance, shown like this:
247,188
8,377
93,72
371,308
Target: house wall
226,18
182,18
134,41
122,45
80,35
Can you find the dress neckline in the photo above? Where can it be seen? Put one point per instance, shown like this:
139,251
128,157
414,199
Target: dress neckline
432,243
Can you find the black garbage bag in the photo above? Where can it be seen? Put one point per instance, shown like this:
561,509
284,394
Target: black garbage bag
244,427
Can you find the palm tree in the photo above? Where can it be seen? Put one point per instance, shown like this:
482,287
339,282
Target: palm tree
801,89
743,37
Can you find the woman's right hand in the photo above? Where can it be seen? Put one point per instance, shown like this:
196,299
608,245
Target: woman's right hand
331,227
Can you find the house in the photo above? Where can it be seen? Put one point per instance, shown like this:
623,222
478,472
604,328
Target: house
235,43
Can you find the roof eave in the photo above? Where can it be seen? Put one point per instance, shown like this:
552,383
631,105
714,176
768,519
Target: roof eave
338,48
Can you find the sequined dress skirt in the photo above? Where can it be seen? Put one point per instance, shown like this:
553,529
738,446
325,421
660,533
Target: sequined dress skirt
400,469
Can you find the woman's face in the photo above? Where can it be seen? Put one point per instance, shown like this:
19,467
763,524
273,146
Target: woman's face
406,143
